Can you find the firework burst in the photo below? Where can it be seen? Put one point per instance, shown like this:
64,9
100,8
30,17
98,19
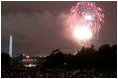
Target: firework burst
87,16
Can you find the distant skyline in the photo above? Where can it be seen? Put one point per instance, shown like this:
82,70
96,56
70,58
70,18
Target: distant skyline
39,27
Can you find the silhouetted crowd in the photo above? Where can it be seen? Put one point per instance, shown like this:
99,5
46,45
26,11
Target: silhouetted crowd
22,72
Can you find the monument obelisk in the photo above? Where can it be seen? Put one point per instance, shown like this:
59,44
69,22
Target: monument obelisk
10,46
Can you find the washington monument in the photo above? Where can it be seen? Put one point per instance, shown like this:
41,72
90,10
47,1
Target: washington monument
10,46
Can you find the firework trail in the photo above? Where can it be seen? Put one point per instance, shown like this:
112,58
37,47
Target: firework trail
86,14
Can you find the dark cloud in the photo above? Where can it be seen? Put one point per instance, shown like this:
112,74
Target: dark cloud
36,31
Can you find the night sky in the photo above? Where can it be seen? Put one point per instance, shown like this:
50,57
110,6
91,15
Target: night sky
40,27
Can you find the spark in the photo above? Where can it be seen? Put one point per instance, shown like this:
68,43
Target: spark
88,17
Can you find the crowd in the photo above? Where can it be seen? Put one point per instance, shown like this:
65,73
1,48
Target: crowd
22,72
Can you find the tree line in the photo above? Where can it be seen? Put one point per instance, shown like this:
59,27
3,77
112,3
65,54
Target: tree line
105,56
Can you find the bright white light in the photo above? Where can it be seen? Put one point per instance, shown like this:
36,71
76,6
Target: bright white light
27,56
82,33
88,17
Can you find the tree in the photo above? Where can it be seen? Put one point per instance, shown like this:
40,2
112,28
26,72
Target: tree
56,58
105,49
5,58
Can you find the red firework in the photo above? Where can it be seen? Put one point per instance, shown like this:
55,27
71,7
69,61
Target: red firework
86,14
